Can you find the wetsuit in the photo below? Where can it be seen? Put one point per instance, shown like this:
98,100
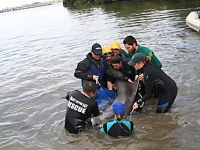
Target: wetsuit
146,51
89,67
154,77
79,108
118,128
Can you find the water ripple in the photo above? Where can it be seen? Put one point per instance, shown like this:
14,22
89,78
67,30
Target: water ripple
39,54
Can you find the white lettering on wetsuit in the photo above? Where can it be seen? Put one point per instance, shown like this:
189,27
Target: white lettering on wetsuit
71,104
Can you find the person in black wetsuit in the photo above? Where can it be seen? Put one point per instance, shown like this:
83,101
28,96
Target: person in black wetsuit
80,107
154,77
119,126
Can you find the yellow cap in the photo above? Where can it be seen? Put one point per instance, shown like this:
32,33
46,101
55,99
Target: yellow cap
115,45
106,49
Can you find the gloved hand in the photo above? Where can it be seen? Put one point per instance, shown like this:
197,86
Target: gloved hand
140,103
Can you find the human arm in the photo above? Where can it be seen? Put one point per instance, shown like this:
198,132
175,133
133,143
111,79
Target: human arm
68,95
115,73
104,128
95,111
81,70
131,126
148,89
140,77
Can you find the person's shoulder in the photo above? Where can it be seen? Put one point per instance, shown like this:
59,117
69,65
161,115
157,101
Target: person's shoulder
126,60
144,49
75,92
92,102
151,68
127,121
124,53
85,60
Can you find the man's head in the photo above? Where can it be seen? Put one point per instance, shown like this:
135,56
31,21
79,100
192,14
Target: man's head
130,44
118,108
90,88
96,51
115,47
116,62
137,61
107,52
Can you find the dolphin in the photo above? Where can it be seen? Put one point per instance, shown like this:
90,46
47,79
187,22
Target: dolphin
126,93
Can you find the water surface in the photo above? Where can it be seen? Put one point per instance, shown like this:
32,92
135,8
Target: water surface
40,48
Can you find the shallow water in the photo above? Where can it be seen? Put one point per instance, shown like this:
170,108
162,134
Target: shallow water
40,48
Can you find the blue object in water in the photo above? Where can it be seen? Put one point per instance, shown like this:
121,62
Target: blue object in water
105,98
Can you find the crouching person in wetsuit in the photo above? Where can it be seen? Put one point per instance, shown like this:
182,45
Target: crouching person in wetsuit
119,126
154,77
80,107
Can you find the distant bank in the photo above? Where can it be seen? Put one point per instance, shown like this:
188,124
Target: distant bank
27,6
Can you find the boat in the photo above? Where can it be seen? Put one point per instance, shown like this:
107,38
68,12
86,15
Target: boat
193,20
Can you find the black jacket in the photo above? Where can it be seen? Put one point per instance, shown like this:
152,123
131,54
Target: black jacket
82,70
79,109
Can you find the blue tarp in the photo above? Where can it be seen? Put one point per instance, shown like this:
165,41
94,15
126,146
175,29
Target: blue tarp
105,97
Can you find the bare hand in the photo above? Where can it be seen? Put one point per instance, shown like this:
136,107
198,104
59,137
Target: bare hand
136,76
129,80
141,76
114,87
135,105
95,77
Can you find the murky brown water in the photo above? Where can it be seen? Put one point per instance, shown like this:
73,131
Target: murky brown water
39,50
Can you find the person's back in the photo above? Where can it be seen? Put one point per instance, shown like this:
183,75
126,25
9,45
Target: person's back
119,126
157,78
146,51
80,107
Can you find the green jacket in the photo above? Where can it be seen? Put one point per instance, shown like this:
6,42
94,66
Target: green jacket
146,51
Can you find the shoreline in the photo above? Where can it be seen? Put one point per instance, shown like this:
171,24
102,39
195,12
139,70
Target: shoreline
27,6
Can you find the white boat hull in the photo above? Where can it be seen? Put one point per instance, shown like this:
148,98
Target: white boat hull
193,21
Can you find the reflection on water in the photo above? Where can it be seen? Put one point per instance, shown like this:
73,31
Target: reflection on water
39,51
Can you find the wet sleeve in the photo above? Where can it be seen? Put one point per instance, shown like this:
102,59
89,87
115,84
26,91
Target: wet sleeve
131,126
148,89
111,79
104,128
95,110
68,95
81,71
115,74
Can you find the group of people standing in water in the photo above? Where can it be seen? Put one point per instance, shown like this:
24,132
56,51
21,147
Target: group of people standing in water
104,65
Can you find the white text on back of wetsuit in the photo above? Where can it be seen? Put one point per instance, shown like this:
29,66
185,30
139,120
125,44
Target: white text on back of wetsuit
73,105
